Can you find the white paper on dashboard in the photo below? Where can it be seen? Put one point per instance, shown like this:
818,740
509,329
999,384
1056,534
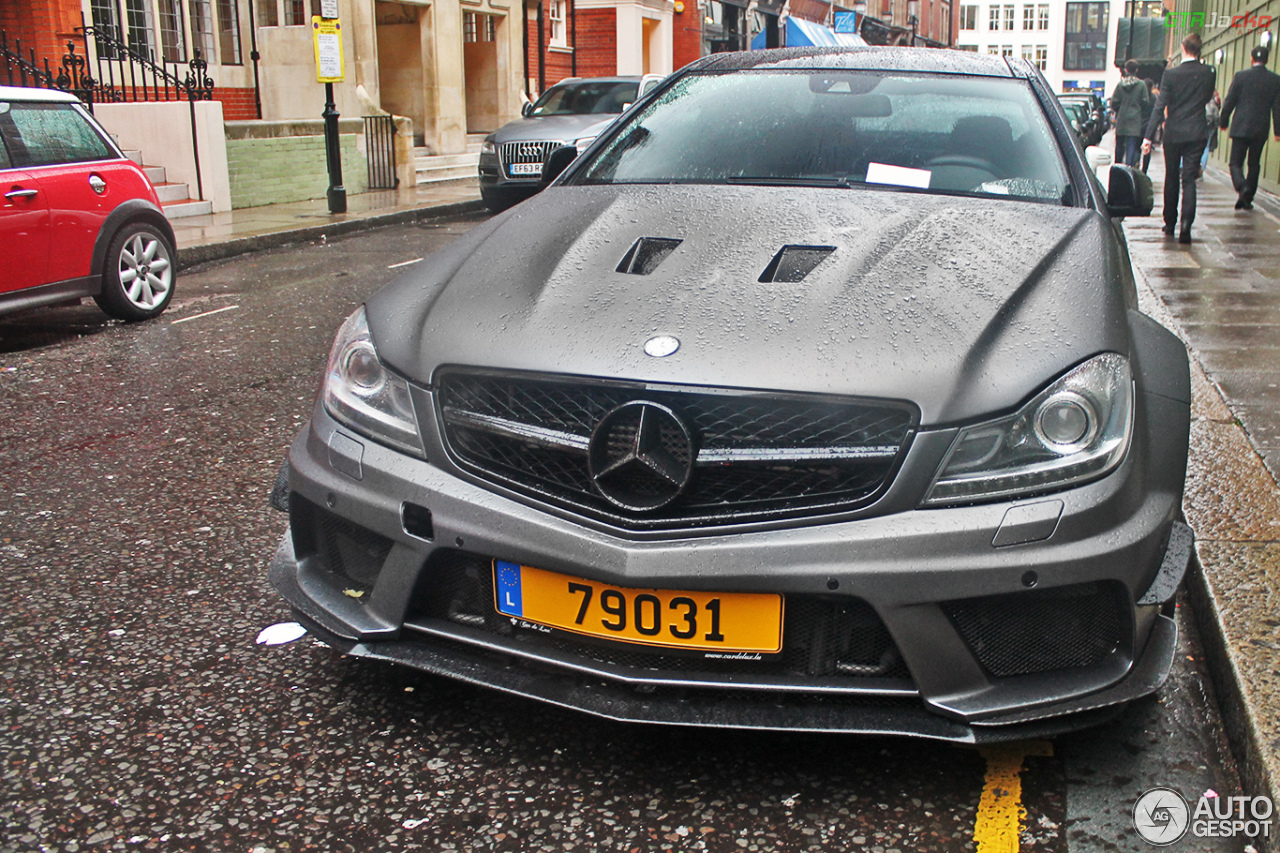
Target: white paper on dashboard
901,176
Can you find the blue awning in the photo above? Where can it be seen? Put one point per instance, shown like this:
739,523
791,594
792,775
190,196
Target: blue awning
802,33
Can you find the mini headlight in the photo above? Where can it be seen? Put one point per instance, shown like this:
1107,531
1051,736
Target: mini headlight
1075,430
364,395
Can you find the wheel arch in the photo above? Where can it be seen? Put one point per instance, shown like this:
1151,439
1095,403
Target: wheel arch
133,210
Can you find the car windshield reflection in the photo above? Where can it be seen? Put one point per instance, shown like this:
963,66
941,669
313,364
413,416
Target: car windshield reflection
913,132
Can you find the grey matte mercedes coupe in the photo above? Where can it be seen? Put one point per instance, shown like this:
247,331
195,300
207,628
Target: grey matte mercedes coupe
813,395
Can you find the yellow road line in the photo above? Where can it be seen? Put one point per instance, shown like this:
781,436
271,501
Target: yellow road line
1000,811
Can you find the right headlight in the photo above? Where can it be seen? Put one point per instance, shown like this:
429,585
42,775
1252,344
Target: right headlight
1077,429
364,395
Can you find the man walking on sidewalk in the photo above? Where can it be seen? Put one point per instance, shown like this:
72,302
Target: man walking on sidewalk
1130,103
1254,97
1184,90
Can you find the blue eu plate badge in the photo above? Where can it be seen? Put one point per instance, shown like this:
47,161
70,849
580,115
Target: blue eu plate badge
510,601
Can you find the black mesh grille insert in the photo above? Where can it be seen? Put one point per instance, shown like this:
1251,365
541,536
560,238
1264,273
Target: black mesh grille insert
757,455
822,637
347,551
1068,627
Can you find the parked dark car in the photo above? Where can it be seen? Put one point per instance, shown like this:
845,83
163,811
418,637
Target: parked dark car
1095,110
572,112
813,395
77,217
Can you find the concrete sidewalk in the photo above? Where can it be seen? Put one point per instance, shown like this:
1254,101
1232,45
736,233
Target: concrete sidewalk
223,235
1221,294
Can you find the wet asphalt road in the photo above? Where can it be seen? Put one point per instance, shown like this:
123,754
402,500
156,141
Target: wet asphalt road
138,714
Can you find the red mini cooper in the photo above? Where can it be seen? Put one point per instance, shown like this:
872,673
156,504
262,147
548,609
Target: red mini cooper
77,217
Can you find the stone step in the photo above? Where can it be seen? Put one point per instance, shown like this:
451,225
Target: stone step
155,174
474,141
180,209
135,156
446,173
424,161
172,192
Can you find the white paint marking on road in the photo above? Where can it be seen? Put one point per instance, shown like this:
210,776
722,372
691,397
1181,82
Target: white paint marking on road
205,314
404,263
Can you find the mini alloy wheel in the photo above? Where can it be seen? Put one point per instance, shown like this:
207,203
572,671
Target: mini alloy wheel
137,282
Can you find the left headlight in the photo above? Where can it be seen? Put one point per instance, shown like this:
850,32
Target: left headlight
582,143
1077,429
488,147
364,395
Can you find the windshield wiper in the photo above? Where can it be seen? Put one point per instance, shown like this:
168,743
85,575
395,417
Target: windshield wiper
791,182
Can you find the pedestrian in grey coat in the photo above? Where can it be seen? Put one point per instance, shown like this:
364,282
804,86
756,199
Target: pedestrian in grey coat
1130,103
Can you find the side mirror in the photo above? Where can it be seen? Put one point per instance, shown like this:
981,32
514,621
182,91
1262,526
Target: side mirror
557,163
1129,192
526,109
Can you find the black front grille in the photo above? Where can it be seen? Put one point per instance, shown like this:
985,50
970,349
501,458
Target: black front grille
822,637
522,153
757,455
1070,627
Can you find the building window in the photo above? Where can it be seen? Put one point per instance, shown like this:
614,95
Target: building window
1042,16
469,28
972,48
968,17
1042,57
1028,53
556,17
1028,17
268,13
1085,43
993,18
993,49
297,13
137,16
229,31
1007,51
200,13
1008,17
173,45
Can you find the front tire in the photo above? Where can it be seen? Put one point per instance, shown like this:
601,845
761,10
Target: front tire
138,276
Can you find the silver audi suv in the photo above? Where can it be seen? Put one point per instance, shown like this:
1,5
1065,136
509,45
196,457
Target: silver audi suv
573,112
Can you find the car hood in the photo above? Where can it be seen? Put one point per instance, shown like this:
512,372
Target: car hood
962,306
560,128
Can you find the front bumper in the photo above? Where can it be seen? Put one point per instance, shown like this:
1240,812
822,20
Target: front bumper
914,569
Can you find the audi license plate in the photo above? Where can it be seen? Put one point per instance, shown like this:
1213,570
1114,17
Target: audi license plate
526,168
707,621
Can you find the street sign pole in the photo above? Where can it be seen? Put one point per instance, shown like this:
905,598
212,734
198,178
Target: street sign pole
327,33
337,193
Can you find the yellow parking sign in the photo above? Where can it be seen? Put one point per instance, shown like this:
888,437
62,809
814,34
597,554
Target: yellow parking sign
327,36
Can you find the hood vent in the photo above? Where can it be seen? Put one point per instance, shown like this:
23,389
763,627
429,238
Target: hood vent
793,263
646,253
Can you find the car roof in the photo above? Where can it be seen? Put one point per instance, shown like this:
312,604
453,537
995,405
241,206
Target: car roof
928,60
21,93
624,79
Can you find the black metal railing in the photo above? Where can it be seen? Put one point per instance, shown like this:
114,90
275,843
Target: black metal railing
121,74
380,142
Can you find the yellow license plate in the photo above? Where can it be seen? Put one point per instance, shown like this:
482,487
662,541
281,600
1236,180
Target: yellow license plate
707,621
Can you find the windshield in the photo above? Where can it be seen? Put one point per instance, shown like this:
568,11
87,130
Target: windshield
587,97
933,133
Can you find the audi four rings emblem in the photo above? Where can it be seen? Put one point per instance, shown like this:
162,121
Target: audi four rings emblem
641,456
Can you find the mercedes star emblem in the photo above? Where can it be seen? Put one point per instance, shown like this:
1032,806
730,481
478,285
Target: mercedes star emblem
661,346
641,456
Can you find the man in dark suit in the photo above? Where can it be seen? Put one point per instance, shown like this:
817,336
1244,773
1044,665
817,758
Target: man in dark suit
1254,97
1184,90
